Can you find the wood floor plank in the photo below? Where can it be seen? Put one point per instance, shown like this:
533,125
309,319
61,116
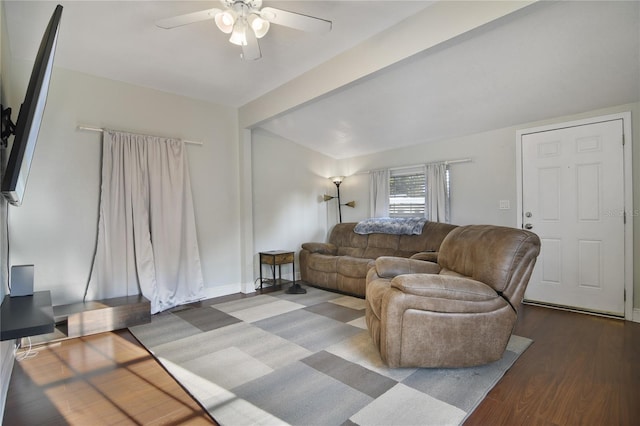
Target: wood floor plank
581,369
106,378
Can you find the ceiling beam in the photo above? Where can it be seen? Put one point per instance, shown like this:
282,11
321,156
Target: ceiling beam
436,24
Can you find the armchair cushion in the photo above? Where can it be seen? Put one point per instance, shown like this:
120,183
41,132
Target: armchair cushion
443,287
494,255
432,293
429,256
389,267
325,262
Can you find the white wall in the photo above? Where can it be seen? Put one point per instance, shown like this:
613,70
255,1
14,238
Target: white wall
55,228
288,183
476,187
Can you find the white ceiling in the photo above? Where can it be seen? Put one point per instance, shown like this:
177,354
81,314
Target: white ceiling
547,60
119,40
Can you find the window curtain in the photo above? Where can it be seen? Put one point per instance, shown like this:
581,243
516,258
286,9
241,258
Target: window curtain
437,199
379,193
146,230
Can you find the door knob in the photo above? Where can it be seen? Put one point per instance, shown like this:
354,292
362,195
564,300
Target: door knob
528,226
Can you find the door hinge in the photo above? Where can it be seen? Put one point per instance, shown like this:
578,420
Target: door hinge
623,141
625,294
624,217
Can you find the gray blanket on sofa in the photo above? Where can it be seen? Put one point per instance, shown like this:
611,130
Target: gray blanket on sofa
391,225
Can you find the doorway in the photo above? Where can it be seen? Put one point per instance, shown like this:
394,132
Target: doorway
574,190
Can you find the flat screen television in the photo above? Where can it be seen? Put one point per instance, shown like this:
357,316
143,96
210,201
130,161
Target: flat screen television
27,126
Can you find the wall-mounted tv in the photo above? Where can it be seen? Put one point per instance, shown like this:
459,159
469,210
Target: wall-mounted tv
27,126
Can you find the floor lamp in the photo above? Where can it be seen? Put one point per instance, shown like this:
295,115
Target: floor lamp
337,180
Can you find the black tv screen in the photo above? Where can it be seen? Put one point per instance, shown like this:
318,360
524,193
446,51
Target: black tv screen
27,127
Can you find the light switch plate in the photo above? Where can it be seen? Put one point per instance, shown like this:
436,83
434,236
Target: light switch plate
504,205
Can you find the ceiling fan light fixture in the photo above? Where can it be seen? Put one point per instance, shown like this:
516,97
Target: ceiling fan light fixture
246,22
225,21
239,34
259,26
268,15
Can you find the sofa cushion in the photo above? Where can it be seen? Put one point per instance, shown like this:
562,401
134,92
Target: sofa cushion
323,262
323,248
352,266
432,235
351,251
342,235
349,285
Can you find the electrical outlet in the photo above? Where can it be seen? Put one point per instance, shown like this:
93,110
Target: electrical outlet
504,205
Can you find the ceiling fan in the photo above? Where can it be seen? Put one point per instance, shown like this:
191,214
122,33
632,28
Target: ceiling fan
246,23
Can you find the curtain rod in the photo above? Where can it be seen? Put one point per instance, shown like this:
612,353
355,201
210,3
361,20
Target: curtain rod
447,162
101,130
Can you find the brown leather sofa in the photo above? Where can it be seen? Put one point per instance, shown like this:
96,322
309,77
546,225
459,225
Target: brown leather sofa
342,263
458,312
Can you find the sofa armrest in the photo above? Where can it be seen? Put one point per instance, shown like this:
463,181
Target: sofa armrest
429,256
322,248
444,287
389,267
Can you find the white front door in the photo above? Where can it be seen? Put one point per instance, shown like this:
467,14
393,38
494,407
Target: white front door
573,197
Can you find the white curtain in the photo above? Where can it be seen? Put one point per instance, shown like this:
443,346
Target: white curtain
146,231
379,193
437,200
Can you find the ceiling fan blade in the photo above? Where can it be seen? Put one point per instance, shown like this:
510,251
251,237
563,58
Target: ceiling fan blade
295,20
251,51
189,18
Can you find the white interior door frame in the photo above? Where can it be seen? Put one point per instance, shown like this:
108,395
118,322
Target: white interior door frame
628,190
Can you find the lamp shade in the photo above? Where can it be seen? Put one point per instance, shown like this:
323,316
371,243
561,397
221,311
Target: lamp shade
337,179
225,20
258,25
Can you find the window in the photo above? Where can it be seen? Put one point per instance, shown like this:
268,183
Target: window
407,190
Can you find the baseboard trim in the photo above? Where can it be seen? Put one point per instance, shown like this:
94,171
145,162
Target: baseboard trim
211,292
636,315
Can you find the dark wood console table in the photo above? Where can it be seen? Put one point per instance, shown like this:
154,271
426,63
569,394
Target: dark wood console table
24,316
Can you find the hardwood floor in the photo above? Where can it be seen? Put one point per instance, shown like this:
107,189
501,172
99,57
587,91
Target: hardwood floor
580,370
106,378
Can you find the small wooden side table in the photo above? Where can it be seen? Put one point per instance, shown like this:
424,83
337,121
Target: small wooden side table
278,258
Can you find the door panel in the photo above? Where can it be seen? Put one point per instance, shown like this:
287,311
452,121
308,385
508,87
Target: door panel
571,178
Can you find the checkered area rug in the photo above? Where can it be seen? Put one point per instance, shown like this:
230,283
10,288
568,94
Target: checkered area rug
306,359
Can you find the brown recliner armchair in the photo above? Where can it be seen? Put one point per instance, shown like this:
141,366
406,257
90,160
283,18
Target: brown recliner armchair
458,312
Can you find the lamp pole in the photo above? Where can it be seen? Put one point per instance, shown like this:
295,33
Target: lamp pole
339,205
